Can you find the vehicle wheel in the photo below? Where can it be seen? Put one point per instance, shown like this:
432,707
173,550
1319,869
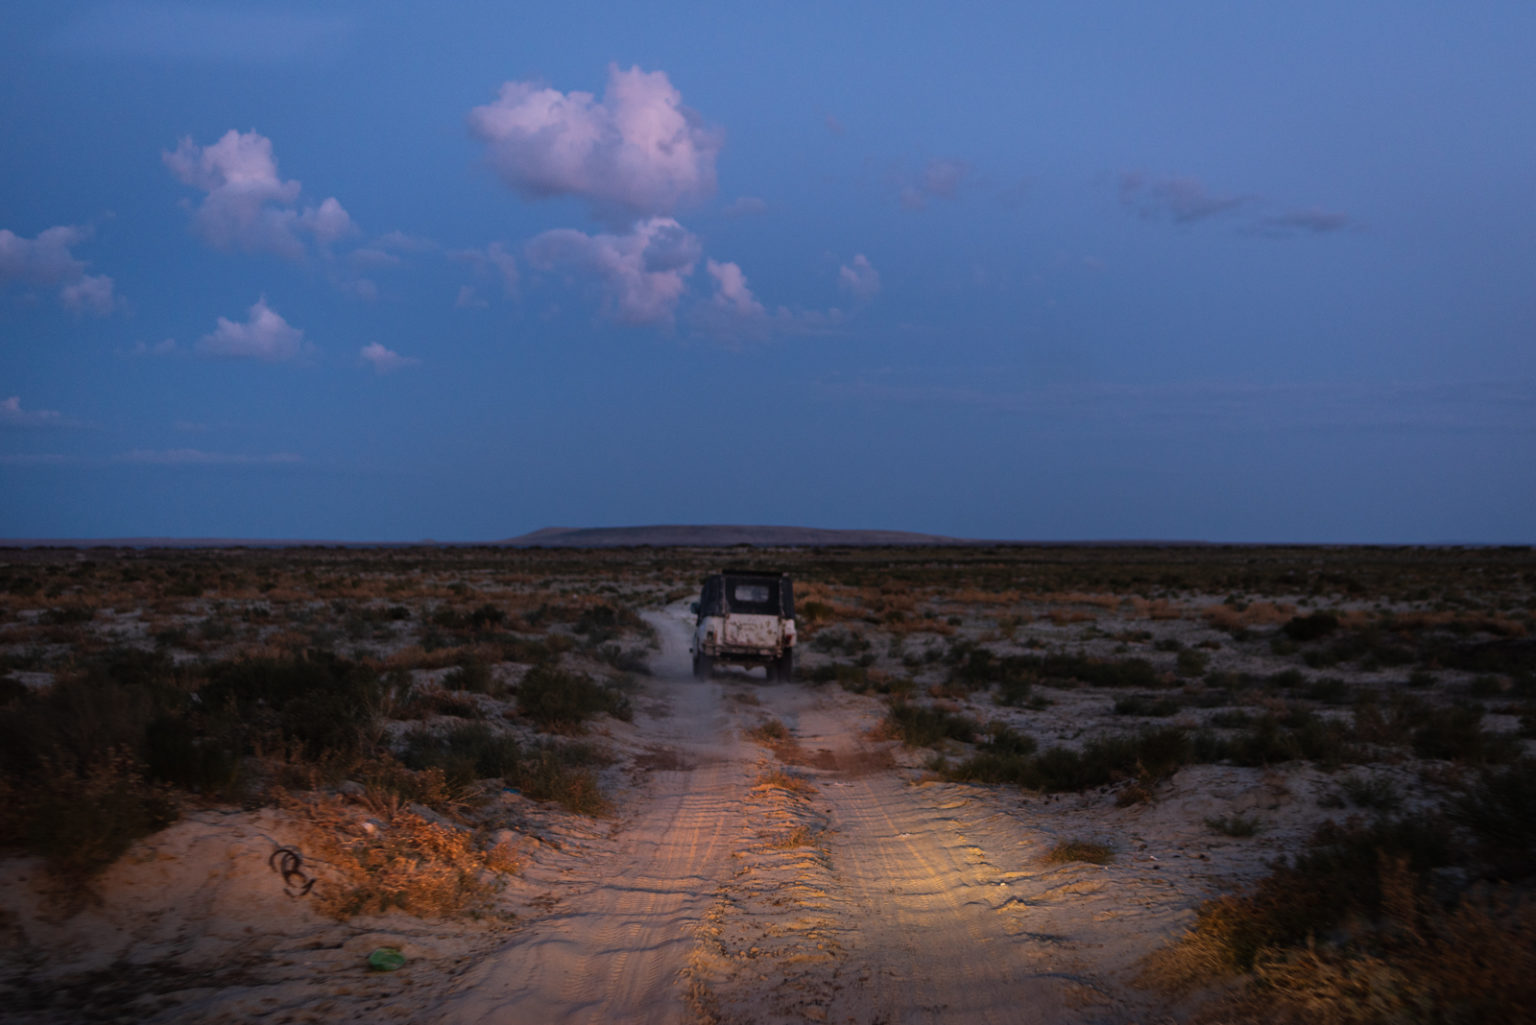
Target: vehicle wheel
703,666
785,667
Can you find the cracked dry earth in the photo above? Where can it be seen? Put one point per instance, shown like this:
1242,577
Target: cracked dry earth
815,882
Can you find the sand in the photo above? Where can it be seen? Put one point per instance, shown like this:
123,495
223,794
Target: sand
830,880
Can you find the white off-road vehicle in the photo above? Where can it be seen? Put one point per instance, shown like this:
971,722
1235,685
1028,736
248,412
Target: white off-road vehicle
745,618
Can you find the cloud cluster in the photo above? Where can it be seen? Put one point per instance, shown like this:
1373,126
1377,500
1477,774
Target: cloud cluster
636,152
247,204
265,336
643,272
47,260
12,415
384,360
859,278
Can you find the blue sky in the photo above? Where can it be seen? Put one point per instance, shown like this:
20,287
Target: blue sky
1097,270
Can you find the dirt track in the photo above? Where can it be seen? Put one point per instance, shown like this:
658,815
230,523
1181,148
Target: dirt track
722,897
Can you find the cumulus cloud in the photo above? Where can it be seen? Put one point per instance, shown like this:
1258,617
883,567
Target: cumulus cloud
636,152
92,293
265,335
165,347
859,278
12,415
385,360
734,314
1181,200
643,273
731,291
47,260
939,179
247,204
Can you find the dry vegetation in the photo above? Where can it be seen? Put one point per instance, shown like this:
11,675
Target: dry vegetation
385,697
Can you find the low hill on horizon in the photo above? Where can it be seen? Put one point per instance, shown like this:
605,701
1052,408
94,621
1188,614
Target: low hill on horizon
720,535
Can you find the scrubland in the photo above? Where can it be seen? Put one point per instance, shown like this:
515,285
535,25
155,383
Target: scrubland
1134,783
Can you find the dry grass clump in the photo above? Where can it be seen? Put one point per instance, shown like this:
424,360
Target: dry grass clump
398,861
1246,615
1372,923
782,780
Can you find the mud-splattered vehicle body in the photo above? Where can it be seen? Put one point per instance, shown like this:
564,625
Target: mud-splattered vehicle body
746,618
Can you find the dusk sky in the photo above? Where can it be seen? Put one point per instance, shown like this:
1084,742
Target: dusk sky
390,271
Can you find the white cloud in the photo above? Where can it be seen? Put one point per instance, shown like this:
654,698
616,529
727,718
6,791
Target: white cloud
329,222
198,457
859,278
93,292
12,415
731,291
643,273
248,206
469,299
385,360
47,260
639,151
265,335
734,314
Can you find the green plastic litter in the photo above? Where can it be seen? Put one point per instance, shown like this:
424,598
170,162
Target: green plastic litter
386,959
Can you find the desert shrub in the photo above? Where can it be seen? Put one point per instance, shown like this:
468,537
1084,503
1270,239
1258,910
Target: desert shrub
1144,705
1376,793
484,619
1234,825
1270,740
1130,672
1311,627
1338,877
1329,690
81,819
562,773
602,623
1147,756
1003,757
563,701
472,675
406,863
924,726
1068,851
1191,662
1457,734
1500,810
324,704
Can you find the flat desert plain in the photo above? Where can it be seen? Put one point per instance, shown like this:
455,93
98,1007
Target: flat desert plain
1009,784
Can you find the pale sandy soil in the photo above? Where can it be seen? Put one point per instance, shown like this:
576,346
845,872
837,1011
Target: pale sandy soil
721,890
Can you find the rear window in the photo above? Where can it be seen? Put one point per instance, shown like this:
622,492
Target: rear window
754,596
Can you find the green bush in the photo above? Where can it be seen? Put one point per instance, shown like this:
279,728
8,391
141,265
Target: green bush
324,704
563,701
924,726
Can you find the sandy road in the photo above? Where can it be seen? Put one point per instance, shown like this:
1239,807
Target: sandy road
613,947
904,911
